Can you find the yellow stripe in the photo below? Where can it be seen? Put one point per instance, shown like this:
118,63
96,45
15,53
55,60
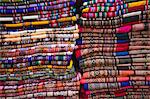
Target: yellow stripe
134,4
41,22
85,10
67,19
13,25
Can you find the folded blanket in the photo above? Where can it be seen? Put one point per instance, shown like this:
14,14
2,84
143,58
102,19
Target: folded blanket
114,79
123,29
67,93
109,73
134,66
41,22
35,8
32,3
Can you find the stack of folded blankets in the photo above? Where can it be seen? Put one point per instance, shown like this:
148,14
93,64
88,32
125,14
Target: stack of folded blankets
37,42
114,49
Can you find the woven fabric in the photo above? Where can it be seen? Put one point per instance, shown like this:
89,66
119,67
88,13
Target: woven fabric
37,41
113,49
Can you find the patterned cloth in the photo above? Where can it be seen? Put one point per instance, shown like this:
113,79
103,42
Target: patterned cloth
37,45
113,49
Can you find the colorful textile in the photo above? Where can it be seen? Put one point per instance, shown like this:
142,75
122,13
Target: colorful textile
113,49
37,45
